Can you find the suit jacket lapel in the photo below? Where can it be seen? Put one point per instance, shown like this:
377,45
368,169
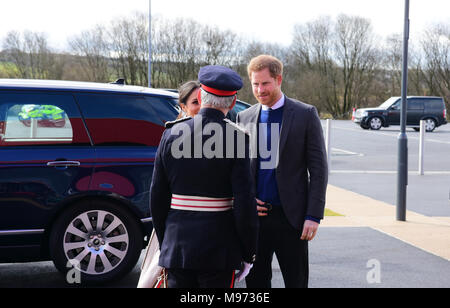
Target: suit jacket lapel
255,115
254,118
286,124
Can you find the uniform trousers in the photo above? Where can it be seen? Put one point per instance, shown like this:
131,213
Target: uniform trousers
195,279
278,237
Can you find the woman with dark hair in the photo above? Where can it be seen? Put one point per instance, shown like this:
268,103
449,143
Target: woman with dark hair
188,100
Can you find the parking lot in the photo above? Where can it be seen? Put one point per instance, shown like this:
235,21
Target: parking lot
376,151
364,162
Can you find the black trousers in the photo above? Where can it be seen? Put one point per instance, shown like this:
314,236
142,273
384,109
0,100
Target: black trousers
278,237
195,279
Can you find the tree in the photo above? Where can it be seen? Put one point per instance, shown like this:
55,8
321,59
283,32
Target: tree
176,45
436,49
336,61
219,47
358,58
316,74
31,54
128,46
334,64
92,51
393,59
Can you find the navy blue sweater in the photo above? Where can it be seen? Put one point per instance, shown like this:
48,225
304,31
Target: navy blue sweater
267,186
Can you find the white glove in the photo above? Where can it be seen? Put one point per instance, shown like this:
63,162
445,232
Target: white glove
244,272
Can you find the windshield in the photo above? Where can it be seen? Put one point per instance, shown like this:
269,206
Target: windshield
389,102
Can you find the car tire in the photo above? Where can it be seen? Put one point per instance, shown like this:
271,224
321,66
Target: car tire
98,254
375,123
364,126
430,125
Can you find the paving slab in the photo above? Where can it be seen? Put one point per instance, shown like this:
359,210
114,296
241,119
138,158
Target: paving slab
427,233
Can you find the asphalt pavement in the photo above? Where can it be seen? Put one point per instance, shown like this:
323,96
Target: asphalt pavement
365,161
363,188
345,257
365,247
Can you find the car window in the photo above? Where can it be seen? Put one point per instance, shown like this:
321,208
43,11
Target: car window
415,104
40,119
240,107
166,109
390,102
435,104
3,110
120,120
396,106
232,115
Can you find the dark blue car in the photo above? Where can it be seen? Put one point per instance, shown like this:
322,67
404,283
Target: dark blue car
79,191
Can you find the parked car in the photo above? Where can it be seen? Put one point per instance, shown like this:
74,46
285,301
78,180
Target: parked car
78,191
240,106
430,109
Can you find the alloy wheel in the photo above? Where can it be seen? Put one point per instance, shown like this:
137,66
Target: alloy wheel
96,242
430,125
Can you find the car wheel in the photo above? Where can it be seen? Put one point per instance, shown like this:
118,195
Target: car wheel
98,239
430,125
375,123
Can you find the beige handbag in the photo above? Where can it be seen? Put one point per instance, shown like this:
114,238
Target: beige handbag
152,275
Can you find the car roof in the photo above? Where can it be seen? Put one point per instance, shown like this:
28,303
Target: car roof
432,97
243,103
79,86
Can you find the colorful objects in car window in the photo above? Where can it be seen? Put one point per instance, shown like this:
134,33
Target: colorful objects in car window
45,115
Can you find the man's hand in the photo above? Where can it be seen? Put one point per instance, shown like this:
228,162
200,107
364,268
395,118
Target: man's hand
309,230
244,272
262,211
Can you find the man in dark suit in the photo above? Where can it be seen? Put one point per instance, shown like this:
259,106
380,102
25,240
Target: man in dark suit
290,183
202,195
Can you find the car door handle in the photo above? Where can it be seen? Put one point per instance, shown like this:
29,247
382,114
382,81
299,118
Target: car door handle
63,164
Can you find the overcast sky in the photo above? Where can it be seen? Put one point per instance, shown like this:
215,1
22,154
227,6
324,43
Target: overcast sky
264,20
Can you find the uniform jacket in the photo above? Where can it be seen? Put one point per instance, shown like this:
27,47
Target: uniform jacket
199,240
302,172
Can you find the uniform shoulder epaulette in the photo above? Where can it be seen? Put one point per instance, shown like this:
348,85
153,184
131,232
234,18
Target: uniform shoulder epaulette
237,127
173,123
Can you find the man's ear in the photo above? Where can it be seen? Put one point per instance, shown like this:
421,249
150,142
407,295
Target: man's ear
199,96
234,103
279,80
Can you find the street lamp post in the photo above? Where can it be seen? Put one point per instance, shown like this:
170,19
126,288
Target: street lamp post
403,138
149,43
